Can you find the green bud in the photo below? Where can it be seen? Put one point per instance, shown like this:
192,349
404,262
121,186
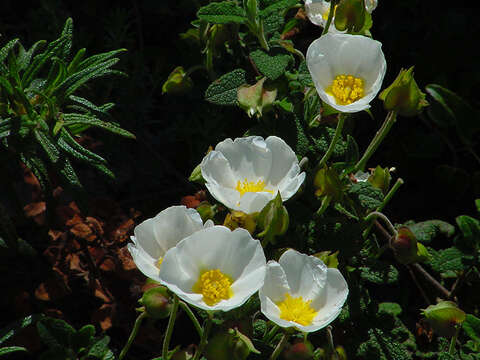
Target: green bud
330,259
205,209
350,15
328,183
380,179
273,219
229,344
403,95
178,82
237,219
196,175
444,317
342,354
256,99
157,302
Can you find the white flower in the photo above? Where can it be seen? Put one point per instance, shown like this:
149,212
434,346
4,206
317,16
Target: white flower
301,292
318,10
245,174
215,268
347,70
155,236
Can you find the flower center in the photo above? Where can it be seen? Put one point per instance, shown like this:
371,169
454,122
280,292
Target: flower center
346,89
327,13
297,310
158,263
214,286
251,186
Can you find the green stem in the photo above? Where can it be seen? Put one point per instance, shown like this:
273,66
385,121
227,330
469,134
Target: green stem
278,349
386,200
377,140
330,343
271,333
330,17
451,349
378,214
261,36
192,317
133,334
336,136
203,340
171,323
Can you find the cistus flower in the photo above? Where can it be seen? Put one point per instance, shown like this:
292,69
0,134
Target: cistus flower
318,11
153,237
246,173
347,70
300,291
215,268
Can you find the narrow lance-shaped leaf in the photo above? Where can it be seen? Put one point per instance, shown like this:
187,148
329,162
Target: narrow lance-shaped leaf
99,58
72,119
4,51
13,328
67,33
24,57
72,67
65,136
89,106
47,145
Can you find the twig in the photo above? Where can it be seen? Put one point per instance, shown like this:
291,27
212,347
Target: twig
418,285
431,279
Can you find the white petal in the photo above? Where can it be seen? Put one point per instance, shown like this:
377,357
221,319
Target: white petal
252,202
290,189
227,196
248,157
315,11
275,285
283,159
144,262
216,170
146,239
272,312
331,299
306,275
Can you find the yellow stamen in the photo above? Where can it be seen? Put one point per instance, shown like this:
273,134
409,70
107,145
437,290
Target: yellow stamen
297,310
346,89
251,186
158,263
326,13
214,286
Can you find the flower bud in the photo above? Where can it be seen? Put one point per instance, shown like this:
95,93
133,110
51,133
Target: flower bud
328,258
380,179
237,219
403,95
196,175
178,82
328,183
350,15
229,344
256,99
299,351
273,219
407,249
205,210
444,317
157,302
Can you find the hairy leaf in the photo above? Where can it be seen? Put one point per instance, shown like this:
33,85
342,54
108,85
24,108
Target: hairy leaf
222,13
73,119
382,347
368,196
379,272
223,91
273,64
426,231
471,326
449,259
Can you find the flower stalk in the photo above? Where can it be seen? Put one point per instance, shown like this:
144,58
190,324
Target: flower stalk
336,136
377,140
330,16
278,349
192,317
133,334
171,323
203,340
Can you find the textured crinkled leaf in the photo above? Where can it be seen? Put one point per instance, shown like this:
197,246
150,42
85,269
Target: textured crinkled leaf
273,23
223,91
471,326
100,348
379,272
83,338
269,7
390,308
380,346
273,64
368,196
426,231
304,75
55,332
470,228
222,13
449,259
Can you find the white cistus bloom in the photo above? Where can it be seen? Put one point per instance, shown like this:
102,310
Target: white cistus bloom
318,11
347,70
153,237
246,173
215,268
300,291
